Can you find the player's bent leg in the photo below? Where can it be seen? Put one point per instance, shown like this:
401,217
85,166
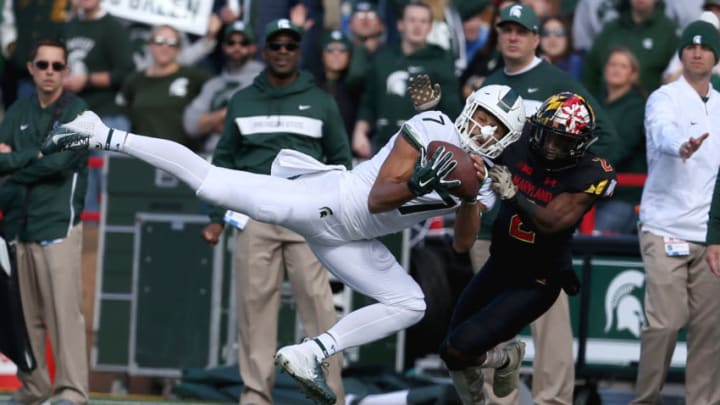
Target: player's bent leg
369,268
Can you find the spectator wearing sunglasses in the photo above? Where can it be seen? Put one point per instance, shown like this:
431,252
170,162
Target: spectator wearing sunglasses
99,59
204,117
555,46
282,109
49,195
156,97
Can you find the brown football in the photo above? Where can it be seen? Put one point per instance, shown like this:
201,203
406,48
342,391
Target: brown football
464,171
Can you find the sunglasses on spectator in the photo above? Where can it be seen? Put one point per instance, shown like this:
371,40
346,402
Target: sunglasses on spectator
44,65
363,15
555,33
244,42
289,46
159,40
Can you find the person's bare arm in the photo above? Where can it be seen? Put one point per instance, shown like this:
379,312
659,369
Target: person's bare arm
390,190
467,225
212,121
360,139
561,213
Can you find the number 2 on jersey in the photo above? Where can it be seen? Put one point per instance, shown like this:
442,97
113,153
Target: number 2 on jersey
518,232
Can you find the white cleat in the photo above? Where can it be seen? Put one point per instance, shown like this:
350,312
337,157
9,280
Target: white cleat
305,368
86,131
507,378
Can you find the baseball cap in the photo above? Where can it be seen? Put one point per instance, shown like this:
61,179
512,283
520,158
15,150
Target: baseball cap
700,33
241,27
520,14
282,25
335,36
365,6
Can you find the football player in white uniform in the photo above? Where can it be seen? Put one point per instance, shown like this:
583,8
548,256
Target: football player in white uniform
339,212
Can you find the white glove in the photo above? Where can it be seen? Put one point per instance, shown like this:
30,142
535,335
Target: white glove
502,182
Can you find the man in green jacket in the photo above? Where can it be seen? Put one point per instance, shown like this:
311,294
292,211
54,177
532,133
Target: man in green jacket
282,109
48,232
385,104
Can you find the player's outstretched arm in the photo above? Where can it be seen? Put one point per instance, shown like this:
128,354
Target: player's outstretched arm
468,216
390,189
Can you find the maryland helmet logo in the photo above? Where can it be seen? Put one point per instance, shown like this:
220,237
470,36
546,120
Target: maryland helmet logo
568,112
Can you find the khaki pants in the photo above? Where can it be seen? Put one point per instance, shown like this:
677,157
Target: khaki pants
264,253
50,279
554,366
680,292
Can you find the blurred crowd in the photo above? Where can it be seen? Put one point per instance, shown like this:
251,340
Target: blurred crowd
150,79
164,81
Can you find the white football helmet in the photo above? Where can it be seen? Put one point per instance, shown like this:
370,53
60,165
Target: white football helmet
503,103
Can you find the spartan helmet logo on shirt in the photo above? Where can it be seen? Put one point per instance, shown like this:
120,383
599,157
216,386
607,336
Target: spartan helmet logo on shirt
620,301
179,87
396,83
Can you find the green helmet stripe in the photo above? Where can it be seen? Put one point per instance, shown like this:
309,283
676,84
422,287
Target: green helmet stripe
508,100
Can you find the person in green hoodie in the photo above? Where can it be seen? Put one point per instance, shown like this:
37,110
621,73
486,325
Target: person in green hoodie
282,109
385,104
47,227
646,31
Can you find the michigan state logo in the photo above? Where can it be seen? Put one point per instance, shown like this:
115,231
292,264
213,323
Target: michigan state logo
623,308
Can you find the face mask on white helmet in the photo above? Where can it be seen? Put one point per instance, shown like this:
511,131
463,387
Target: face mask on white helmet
504,104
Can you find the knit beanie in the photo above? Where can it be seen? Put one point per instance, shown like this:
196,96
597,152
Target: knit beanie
701,33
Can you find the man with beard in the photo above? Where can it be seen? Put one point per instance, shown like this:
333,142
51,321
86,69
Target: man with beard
205,116
280,110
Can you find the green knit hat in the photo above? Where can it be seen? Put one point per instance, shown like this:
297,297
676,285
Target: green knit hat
701,33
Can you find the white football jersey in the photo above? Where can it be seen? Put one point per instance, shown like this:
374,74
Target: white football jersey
421,129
